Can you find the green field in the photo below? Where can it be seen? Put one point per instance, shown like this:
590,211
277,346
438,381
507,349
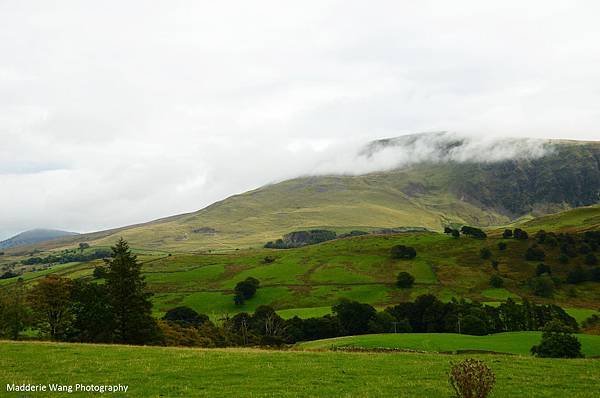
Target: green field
510,343
179,372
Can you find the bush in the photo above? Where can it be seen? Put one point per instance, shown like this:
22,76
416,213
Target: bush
501,246
557,342
496,281
403,252
405,280
508,233
471,378
485,253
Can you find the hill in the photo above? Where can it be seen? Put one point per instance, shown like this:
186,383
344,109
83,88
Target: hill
179,372
453,184
306,281
34,236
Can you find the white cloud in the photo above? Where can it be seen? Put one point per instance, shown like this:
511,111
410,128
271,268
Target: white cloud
119,112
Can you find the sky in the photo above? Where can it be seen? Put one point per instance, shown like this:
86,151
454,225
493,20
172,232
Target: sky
113,112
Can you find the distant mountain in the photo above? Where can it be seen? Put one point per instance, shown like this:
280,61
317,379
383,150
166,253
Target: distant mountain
34,236
435,180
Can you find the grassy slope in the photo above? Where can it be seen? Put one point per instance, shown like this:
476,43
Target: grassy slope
177,372
512,343
356,268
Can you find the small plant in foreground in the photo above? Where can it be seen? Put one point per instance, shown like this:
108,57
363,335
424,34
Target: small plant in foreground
471,378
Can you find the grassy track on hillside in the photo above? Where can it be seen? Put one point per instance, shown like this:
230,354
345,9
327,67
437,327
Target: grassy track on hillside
177,372
510,343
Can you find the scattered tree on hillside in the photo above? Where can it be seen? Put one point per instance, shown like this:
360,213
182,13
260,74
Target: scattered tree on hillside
403,252
542,269
496,281
501,246
83,246
245,290
557,342
542,286
534,253
354,316
129,300
473,232
577,275
185,316
508,233
485,253
405,280
519,234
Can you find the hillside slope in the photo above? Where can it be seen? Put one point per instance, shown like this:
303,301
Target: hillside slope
426,194
34,236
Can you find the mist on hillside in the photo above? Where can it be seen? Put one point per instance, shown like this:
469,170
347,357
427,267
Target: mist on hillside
403,151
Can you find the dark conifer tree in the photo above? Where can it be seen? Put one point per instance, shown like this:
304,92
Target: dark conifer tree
130,303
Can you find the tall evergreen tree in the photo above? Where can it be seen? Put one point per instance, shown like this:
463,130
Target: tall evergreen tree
130,303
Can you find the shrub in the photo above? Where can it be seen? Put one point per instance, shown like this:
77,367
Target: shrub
269,259
557,342
508,233
485,253
471,378
245,290
496,281
405,280
501,245
474,232
403,252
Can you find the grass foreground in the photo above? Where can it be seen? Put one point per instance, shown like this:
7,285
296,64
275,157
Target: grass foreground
508,343
173,372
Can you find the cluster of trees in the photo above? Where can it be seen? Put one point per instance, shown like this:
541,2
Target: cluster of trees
466,230
426,314
118,311
68,256
301,238
401,252
245,290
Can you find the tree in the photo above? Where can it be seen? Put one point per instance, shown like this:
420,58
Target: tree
354,316
557,342
50,301
534,253
83,246
99,272
542,286
542,269
501,246
455,233
508,233
485,253
403,252
405,280
590,259
93,320
520,234
129,300
496,281
245,290
577,275
473,232
185,316
14,314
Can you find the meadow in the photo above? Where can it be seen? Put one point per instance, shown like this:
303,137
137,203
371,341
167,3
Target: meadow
518,343
181,372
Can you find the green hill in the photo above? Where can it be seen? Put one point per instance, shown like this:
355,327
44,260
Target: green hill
427,194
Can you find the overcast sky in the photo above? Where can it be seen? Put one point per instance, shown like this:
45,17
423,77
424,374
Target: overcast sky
116,112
